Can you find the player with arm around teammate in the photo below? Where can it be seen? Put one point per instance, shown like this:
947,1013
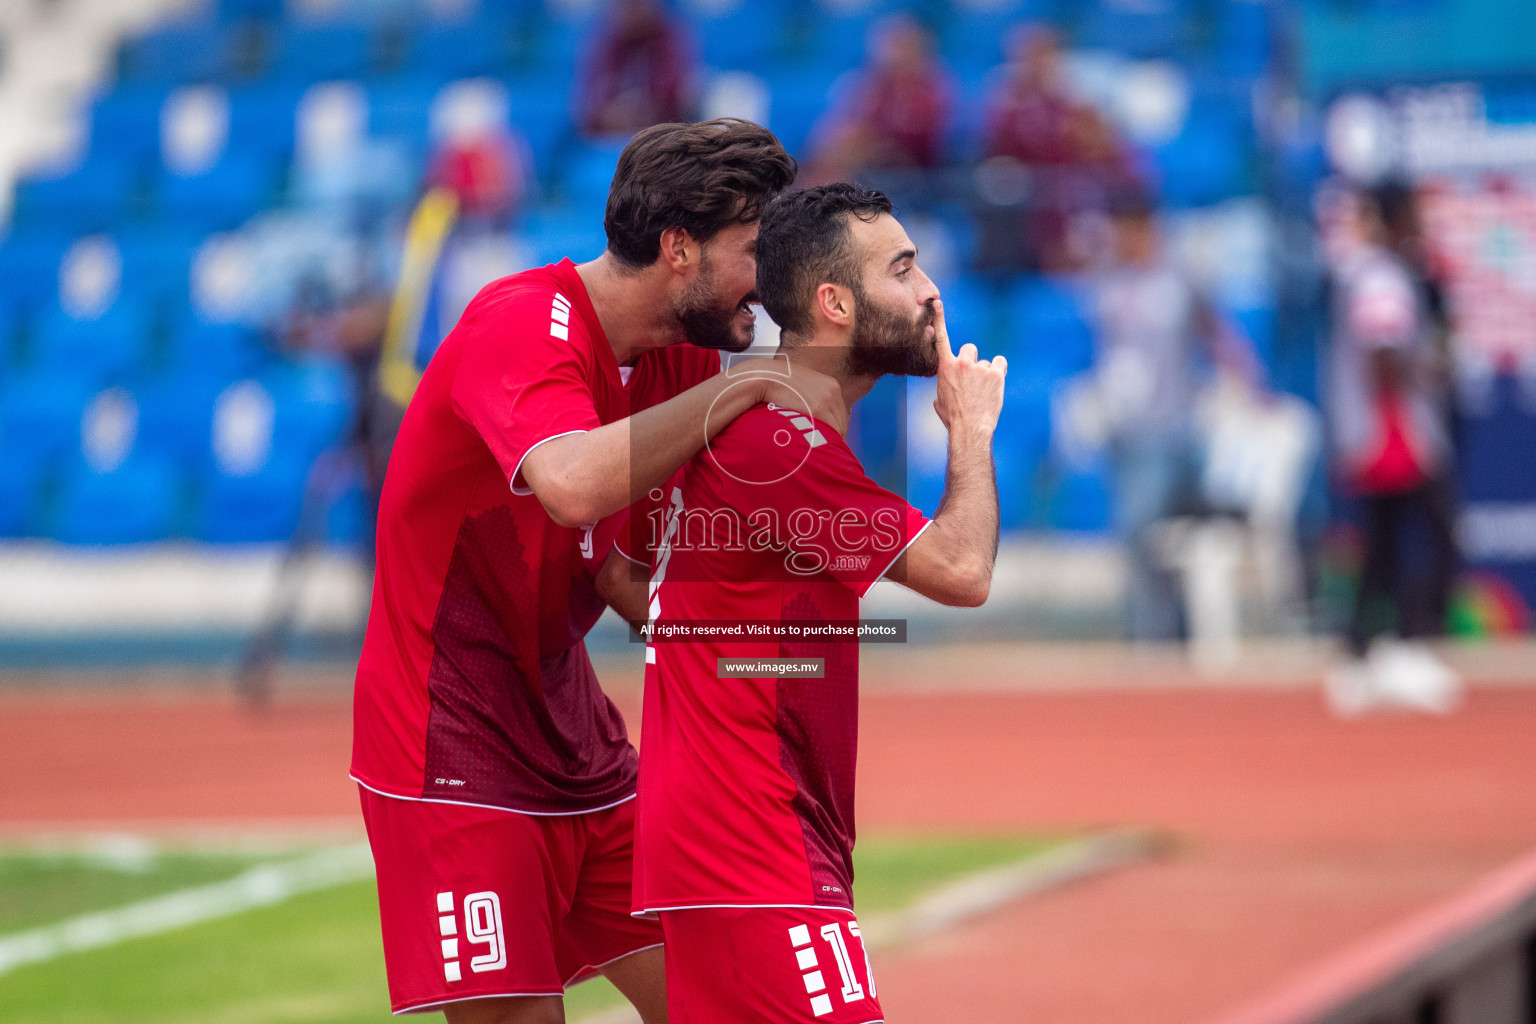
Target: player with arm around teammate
496,778
745,825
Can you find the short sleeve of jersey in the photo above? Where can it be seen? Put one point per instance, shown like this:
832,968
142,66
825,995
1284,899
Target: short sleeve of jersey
798,479
524,376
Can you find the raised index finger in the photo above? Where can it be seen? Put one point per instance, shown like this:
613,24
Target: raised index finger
946,353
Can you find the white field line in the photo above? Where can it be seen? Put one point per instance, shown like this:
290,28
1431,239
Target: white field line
260,886
975,894
979,892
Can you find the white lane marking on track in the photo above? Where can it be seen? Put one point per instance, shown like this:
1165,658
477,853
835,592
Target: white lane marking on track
261,886
974,894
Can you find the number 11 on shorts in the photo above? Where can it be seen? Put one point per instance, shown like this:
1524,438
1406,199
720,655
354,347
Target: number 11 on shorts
815,981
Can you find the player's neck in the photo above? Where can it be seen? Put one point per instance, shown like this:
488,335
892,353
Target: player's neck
630,306
832,360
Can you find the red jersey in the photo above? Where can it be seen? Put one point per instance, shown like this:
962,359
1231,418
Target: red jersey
474,684
746,784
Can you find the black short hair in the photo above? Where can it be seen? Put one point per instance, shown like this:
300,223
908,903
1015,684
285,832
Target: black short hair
804,243
700,177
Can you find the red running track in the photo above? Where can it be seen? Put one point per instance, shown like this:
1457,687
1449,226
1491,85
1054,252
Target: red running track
1295,834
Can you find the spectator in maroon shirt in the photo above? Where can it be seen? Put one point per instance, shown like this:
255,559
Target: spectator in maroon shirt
639,73
1071,156
897,110
1029,113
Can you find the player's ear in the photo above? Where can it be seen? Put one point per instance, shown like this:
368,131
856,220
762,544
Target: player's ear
679,250
835,303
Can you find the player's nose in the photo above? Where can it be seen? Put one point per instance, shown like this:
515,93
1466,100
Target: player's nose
927,291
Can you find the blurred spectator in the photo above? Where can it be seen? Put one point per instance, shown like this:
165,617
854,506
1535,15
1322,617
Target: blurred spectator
1029,112
478,157
639,72
1101,164
1386,407
342,316
1399,208
1155,335
1065,156
897,108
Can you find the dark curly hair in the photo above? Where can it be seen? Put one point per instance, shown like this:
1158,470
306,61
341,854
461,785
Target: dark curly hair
699,177
804,242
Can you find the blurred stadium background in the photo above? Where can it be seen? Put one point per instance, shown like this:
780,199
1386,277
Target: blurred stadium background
231,229
210,212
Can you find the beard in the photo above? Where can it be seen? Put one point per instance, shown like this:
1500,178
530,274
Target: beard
705,321
886,343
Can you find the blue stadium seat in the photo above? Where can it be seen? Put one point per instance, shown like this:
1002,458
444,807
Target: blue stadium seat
796,102
970,312
554,234
588,172
542,115
97,195
315,400
40,414
1026,418
125,123
926,444
749,36
484,46
1244,39
1021,444
1082,501
348,518
259,508
12,318
1018,467
193,51
220,352
132,504
1140,28
97,350
21,487
29,266
235,10
1208,161
313,53
967,126
835,36
157,262
221,198
875,432
400,108
261,120
1045,331
561,40
176,416
973,37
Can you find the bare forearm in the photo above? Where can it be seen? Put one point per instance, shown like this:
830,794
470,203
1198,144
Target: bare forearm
967,519
624,586
584,477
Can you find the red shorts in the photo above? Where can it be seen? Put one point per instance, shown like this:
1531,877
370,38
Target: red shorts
476,902
767,965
